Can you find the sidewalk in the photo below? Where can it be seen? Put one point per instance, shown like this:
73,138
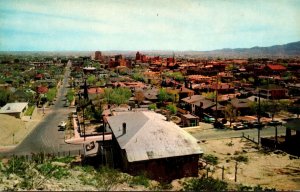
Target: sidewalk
77,139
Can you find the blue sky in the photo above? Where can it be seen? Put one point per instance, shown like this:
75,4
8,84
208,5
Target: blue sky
55,25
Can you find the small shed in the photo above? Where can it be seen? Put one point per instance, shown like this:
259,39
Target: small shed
189,120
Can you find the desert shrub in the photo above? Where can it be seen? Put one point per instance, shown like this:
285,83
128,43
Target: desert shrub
49,170
106,178
229,144
140,180
16,165
152,106
211,159
67,159
205,184
241,158
255,188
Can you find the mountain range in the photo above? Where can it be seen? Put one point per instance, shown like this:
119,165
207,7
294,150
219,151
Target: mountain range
289,50
286,50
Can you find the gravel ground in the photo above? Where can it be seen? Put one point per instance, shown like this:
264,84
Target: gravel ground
266,169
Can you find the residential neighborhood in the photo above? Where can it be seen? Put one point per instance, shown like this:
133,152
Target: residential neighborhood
136,118
149,95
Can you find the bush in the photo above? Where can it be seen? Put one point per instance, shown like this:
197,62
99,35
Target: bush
106,178
16,165
255,188
140,180
241,158
211,159
29,111
205,184
152,106
50,170
172,108
67,159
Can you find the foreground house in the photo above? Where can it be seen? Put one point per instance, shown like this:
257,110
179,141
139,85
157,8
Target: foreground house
14,109
144,142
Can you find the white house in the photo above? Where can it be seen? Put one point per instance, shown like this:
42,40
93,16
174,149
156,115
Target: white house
14,109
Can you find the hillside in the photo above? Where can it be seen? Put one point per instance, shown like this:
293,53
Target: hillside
286,50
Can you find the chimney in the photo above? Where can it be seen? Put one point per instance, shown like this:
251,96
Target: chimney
124,128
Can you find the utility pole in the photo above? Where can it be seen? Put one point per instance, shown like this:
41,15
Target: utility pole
216,114
235,172
258,118
223,173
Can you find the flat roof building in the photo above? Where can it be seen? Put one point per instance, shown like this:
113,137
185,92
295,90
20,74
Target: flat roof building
14,109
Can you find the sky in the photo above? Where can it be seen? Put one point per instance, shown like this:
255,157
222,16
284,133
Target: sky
178,25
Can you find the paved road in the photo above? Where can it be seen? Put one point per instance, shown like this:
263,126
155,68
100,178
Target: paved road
46,137
211,134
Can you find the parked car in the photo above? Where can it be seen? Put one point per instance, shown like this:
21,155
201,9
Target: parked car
219,125
208,119
257,125
246,123
62,124
239,126
274,123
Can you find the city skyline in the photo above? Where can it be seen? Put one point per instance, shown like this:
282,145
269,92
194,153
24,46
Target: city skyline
152,25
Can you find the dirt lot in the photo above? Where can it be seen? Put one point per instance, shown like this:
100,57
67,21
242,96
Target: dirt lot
14,130
265,169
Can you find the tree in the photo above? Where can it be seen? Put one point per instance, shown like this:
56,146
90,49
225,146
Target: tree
139,97
4,96
172,108
152,106
163,95
210,95
70,95
273,106
138,77
50,95
251,79
117,96
107,95
91,79
230,113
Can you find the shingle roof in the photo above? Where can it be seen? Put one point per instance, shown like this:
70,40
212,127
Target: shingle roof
149,136
240,103
193,98
205,103
276,67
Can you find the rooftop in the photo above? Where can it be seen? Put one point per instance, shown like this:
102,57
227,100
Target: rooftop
13,107
150,136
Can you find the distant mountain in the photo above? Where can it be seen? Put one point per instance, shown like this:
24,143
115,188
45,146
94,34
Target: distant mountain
290,49
283,51
286,50
276,51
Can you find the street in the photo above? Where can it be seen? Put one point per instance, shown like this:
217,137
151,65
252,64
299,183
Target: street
212,134
46,137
